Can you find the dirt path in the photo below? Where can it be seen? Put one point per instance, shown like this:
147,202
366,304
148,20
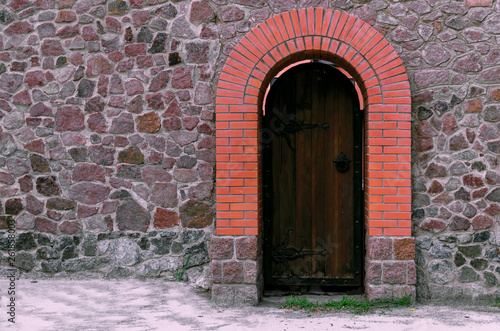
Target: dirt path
158,305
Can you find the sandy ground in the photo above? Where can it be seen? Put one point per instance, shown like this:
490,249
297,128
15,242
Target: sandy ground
159,305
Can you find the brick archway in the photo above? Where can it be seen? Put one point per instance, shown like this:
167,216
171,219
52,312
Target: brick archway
352,44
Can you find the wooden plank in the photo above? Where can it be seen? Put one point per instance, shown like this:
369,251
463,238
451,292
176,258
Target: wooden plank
303,226
331,196
345,183
318,170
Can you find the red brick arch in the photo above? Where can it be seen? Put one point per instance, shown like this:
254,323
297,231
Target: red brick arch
350,43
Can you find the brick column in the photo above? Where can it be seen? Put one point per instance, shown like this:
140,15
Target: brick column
236,270
390,267
350,43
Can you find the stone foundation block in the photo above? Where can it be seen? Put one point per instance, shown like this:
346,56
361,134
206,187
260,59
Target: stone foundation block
394,272
247,248
404,248
373,272
221,248
232,272
235,295
379,248
374,292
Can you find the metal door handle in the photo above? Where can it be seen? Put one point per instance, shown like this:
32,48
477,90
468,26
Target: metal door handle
342,162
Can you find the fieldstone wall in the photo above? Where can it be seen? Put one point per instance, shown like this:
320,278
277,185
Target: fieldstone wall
106,137
456,119
107,134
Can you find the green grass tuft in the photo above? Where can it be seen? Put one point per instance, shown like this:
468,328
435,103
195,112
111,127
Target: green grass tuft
496,303
346,304
179,273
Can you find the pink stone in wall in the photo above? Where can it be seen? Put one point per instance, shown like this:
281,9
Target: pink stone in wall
172,124
109,207
481,222
164,219
201,191
69,118
205,128
173,109
165,195
22,27
379,248
65,16
221,248
394,272
231,14
433,225
232,272
37,146
6,178
190,122
159,81
97,122
135,49
493,209
88,172
155,101
71,31
98,65
153,174
197,52
112,24
22,98
182,78
86,211
44,4
137,3
88,193
70,227
140,17
478,3
203,94
200,12
73,138
247,248
34,78
133,87
373,272
25,183
45,225
207,142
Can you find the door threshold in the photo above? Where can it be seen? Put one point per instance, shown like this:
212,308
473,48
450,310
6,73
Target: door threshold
315,290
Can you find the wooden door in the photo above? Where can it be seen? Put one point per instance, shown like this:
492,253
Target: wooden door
312,179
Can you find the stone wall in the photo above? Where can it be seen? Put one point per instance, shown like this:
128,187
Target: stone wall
456,119
107,133
106,137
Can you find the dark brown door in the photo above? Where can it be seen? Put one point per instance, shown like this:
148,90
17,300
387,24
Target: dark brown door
312,179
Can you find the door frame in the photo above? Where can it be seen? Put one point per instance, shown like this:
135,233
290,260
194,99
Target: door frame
358,48
357,166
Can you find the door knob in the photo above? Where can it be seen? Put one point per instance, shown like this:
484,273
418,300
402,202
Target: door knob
342,162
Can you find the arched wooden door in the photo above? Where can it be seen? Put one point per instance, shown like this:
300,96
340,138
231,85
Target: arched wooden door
312,179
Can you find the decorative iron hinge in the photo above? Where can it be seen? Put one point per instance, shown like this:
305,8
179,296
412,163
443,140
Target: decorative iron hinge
283,254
